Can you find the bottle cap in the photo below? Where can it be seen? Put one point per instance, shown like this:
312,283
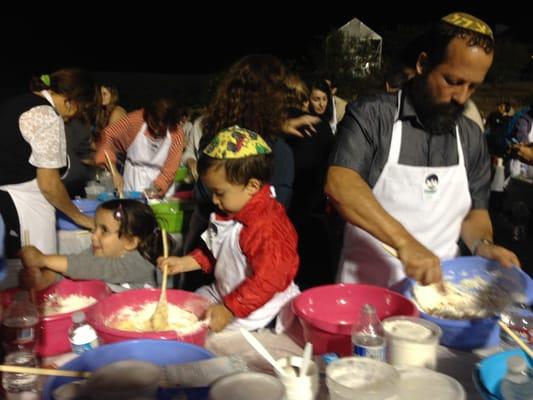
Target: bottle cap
516,364
78,317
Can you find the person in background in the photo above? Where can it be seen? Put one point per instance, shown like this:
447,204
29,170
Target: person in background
409,170
80,155
33,151
108,111
250,242
126,242
307,210
396,78
192,148
152,141
321,102
339,105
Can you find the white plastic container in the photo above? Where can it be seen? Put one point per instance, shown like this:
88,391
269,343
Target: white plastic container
299,387
246,386
423,384
412,341
361,378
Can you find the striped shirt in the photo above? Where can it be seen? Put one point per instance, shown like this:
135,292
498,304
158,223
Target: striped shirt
119,136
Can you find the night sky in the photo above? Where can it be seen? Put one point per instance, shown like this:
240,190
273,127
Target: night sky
206,39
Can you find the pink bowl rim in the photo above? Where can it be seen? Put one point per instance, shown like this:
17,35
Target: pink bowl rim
340,328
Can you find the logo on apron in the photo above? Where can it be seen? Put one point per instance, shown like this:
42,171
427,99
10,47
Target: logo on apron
431,187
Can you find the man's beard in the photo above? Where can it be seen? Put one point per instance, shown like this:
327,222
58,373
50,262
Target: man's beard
438,119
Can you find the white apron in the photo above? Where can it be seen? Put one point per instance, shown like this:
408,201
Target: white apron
430,202
231,269
144,160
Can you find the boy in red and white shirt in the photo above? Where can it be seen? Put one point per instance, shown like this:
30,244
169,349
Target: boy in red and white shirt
250,242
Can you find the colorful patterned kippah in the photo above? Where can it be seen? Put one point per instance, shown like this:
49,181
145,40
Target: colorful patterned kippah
235,142
469,22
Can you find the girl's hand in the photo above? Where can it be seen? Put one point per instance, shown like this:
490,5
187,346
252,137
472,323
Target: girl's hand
219,317
177,265
32,257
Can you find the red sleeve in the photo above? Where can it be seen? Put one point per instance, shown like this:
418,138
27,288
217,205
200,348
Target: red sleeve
271,251
118,136
204,258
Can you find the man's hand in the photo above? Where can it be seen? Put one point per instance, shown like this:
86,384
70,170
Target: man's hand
420,263
491,251
219,317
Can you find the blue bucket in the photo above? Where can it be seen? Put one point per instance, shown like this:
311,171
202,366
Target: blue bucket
476,333
160,352
106,196
86,206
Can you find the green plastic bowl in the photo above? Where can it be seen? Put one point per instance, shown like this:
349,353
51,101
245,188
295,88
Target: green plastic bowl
169,215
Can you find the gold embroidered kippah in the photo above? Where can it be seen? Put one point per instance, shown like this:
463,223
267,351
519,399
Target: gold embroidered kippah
235,142
469,22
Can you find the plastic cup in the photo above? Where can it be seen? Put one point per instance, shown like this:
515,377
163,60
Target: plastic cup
361,378
246,386
298,387
412,341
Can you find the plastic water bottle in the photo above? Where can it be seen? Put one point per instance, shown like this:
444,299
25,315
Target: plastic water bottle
81,335
498,181
19,324
517,383
519,318
368,336
19,339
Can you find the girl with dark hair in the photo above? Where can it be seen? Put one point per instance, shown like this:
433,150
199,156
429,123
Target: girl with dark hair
320,101
33,150
125,245
152,141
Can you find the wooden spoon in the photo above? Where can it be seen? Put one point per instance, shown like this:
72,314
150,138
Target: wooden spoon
113,173
159,320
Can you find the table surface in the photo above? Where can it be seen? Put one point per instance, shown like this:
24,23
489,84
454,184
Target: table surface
457,364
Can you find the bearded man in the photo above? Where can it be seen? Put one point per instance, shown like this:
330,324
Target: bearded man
410,171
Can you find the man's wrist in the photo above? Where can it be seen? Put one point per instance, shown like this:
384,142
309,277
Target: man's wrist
478,243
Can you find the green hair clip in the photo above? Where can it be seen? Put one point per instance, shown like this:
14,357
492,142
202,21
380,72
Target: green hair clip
45,78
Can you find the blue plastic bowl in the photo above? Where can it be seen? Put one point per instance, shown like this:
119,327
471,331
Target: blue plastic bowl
483,332
84,205
106,196
160,352
492,369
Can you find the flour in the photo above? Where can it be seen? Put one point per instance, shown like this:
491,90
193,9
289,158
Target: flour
55,304
470,299
135,319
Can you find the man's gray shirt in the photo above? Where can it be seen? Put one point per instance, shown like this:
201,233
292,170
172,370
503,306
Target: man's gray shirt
364,138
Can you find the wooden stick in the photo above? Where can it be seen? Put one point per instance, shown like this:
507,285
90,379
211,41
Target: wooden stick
165,268
113,172
517,339
392,251
26,238
44,371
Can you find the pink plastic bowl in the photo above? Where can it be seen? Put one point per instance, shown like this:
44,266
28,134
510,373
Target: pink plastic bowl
52,333
136,298
327,313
